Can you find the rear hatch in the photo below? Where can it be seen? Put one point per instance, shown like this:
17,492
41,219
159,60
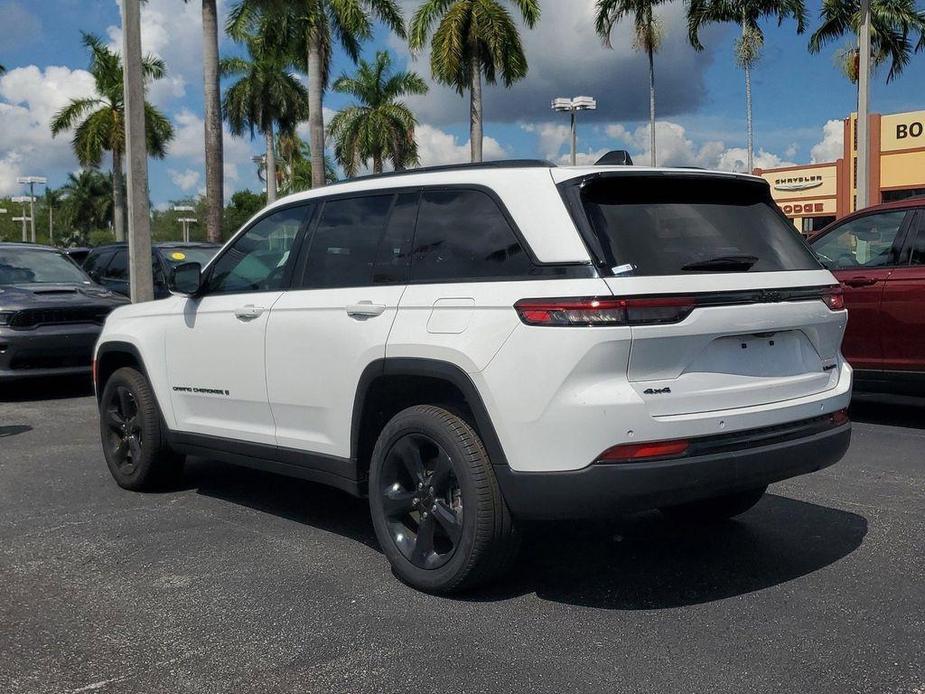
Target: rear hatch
729,307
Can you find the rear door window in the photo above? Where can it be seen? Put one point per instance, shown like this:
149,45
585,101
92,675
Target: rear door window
463,235
686,225
868,242
118,268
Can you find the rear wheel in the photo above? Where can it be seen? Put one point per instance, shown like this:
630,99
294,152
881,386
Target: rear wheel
717,509
133,435
435,503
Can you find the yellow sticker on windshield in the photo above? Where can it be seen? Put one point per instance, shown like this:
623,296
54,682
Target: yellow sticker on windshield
176,255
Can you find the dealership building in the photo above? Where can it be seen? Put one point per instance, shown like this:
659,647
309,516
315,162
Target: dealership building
814,195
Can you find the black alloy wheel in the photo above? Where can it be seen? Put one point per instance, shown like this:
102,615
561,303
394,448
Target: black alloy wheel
422,501
120,415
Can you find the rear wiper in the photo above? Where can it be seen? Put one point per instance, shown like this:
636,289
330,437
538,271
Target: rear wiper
724,263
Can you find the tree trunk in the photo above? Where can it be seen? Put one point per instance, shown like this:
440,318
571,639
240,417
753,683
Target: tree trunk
748,118
215,195
653,158
118,197
315,114
271,166
377,164
475,112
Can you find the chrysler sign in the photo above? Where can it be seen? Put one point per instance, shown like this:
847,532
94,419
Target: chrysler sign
797,183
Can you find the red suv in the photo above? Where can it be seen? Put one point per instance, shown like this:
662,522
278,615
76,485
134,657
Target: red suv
878,254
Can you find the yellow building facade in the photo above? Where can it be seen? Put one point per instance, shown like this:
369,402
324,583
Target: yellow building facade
813,195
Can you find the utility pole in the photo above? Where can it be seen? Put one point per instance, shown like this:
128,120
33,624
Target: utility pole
863,122
141,282
31,181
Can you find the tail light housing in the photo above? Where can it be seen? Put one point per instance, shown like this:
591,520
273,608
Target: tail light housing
604,311
834,298
636,452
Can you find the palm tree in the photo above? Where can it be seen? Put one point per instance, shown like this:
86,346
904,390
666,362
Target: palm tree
87,203
473,38
379,127
648,38
265,97
99,121
748,14
893,26
294,169
52,199
213,122
314,26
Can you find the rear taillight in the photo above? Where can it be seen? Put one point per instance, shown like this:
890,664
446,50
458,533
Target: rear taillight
834,298
604,311
840,417
636,452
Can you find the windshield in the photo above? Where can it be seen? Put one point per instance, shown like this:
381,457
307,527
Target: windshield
676,225
197,254
37,266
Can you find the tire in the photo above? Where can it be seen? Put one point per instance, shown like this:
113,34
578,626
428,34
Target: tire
134,436
436,506
717,509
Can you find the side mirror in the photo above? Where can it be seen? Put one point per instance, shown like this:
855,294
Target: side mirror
95,275
185,279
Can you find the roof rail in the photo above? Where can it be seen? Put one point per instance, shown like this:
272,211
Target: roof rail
501,164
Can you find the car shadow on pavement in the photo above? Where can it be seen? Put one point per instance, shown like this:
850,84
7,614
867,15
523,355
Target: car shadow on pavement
638,562
888,410
46,389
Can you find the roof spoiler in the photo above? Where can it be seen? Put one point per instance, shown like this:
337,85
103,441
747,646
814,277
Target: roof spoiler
618,157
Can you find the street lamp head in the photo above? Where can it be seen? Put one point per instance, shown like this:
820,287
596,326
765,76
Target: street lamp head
584,103
562,105
22,199
184,208
26,180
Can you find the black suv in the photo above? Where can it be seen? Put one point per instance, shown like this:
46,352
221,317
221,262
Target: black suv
108,265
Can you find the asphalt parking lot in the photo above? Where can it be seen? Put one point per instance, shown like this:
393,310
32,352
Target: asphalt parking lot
246,582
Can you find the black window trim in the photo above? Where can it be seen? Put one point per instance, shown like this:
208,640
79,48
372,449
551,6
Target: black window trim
547,270
293,252
898,250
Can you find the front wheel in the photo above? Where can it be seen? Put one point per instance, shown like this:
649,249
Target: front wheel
436,507
719,508
133,435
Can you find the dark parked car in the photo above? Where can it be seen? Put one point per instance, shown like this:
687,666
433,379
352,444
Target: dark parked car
108,265
51,313
77,254
878,255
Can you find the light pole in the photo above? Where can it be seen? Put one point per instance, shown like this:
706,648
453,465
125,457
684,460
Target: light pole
863,124
184,220
23,199
31,181
572,107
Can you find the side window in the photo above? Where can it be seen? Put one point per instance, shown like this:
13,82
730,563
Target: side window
118,268
393,260
96,262
918,248
463,235
864,242
346,241
258,258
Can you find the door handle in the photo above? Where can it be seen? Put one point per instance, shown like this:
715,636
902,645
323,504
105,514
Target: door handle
248,312
365,309
861,281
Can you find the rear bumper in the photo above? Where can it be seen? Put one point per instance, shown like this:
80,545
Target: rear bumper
609,489
63,350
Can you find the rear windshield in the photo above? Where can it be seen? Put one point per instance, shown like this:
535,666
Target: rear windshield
685,225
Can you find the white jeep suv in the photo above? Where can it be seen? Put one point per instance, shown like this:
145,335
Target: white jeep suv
475,346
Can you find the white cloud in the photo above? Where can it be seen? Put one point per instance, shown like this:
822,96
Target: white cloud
29,98
187,180
552,137
832,145
436,147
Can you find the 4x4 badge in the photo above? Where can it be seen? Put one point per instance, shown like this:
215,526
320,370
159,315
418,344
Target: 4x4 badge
656,391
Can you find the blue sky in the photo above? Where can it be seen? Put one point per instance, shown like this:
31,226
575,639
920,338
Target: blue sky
700,95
